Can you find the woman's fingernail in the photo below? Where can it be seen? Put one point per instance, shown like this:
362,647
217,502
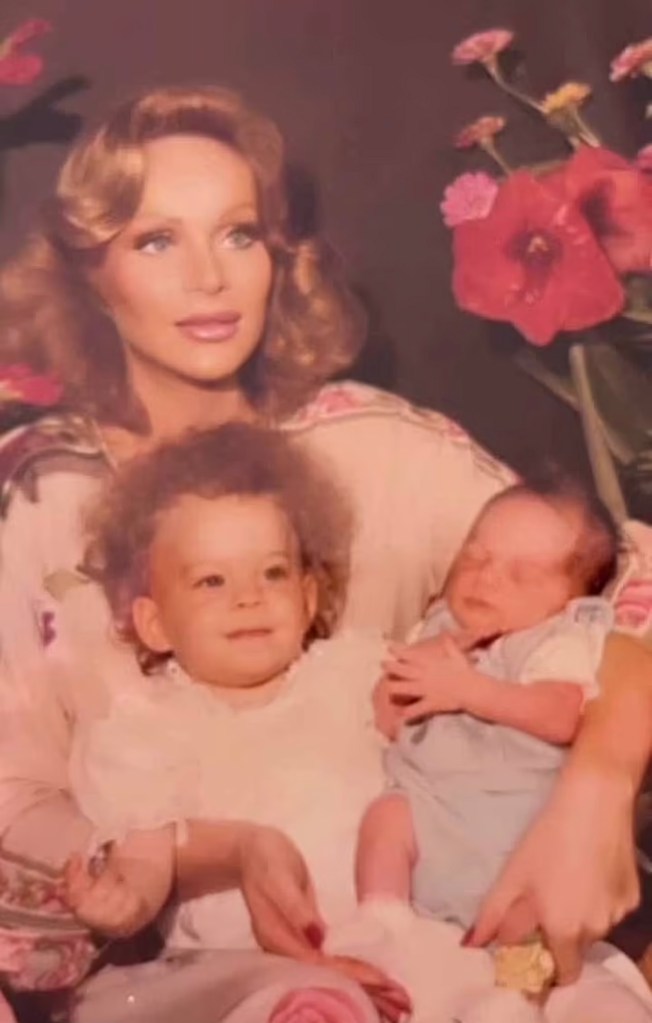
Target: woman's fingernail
315,935
467,937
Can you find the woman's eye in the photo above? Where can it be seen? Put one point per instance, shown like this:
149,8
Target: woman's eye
242,236
275,573
153,244
211,582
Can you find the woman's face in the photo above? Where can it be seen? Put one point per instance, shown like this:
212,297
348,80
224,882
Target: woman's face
187,280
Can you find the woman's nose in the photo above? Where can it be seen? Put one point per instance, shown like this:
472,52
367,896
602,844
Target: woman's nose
205,272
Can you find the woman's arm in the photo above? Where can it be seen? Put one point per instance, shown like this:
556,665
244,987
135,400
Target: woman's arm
269,870
574,875
38,818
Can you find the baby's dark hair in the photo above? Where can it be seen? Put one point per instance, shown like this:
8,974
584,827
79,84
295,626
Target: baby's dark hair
234,460
594,561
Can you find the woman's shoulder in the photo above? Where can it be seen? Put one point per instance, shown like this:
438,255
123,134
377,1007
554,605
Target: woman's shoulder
355,421
350,400
31,452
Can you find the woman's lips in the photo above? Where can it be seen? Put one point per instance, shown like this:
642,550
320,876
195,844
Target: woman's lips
220,327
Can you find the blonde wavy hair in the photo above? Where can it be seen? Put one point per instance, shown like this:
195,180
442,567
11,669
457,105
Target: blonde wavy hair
50,315
232,460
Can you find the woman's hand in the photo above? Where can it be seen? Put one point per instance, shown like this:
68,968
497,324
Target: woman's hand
285,919
391,1000
280,897
572,877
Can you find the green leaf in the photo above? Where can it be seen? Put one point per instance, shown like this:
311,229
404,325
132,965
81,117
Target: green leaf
622,391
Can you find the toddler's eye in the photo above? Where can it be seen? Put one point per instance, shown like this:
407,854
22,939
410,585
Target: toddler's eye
276,572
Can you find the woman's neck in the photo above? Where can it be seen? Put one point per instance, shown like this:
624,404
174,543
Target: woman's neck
173,406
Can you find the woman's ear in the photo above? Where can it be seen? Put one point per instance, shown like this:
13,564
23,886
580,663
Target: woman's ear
148,625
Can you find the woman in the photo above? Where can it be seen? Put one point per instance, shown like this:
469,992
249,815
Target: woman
165,291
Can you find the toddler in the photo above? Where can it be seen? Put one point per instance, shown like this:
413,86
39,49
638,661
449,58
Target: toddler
224,559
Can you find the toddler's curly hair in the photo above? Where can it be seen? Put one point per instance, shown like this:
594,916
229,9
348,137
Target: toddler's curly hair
235,459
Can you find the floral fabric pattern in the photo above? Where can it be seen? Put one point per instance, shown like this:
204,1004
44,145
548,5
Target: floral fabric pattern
42,946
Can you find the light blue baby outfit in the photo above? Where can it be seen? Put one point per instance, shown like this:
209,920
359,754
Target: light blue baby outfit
473,786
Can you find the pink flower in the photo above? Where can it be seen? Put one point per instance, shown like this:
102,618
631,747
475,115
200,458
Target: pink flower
632,61
482,47
482,130
316,1005
19,383
644,159
469,197
18,68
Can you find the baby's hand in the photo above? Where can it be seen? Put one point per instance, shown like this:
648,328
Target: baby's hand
105,903
429,677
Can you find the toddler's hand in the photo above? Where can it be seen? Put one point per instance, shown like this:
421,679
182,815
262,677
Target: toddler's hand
105,903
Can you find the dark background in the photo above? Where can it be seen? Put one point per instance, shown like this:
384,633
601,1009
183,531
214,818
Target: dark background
368,100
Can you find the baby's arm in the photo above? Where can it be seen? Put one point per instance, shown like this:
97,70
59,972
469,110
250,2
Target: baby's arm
446,682
549,710
387,849
131,888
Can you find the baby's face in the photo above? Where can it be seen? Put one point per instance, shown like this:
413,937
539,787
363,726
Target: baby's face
227,593
512,571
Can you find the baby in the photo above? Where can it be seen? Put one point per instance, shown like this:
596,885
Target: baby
489,697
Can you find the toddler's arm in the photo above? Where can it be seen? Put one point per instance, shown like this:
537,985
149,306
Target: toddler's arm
131,888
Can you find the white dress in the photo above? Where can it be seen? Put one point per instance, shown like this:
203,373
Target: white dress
308,762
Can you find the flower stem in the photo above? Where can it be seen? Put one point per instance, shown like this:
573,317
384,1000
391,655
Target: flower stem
489,147
602,464
586,133
494,71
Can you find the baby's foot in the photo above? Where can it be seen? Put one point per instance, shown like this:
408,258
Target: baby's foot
423,955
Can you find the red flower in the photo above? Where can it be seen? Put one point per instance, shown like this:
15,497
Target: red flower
20,383
644,159
18,68
534,262
615,197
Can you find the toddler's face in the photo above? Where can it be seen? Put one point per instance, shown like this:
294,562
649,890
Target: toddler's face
512,571
227,592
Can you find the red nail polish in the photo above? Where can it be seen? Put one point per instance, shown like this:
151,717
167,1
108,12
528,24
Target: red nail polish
467,937
314,934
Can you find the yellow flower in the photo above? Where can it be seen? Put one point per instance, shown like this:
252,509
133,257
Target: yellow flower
570,94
